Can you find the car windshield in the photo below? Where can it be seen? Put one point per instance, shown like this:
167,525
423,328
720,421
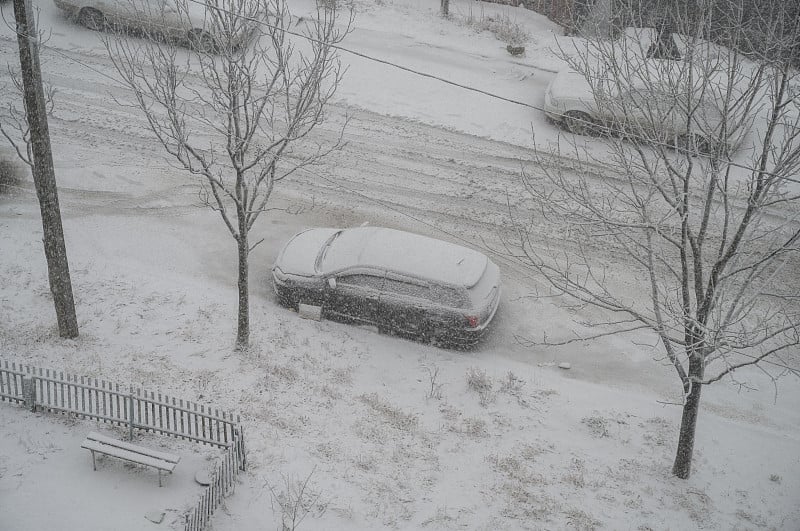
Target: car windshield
324,250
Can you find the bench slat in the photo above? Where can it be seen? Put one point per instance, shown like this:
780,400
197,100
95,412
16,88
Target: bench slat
128,456
110,443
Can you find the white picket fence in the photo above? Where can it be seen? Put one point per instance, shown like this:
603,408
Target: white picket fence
136,409
222,484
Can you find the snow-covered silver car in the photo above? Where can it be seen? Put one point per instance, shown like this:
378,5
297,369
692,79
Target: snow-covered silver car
655,100
185,22
400,282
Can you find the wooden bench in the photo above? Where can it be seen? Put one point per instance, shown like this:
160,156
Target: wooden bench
97,443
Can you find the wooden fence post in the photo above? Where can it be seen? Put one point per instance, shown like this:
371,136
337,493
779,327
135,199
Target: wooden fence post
130,413
29,391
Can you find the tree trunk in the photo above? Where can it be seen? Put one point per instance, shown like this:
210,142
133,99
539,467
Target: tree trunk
43,175
683,458
243,321
445,6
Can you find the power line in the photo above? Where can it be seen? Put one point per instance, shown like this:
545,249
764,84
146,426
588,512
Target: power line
601,127
366,56
88,67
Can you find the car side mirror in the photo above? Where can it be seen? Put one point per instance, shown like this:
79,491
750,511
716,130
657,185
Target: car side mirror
332,282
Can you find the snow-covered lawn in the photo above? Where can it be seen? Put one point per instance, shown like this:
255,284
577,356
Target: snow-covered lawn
388,433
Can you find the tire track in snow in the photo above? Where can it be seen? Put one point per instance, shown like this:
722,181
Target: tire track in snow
458,182
393,160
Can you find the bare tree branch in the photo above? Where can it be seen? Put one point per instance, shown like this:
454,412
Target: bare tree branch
710,240
238,111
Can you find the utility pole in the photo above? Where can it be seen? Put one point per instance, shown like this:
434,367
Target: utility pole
43,174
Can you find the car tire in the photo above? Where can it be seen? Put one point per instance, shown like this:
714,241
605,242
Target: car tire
201,41
92,19
580,123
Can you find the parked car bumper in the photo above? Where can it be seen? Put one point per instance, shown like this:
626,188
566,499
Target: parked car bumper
551,110
469,337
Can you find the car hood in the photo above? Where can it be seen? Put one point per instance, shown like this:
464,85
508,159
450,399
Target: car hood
569,84
300,253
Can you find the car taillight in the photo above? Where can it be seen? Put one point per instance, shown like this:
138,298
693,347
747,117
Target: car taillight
472,321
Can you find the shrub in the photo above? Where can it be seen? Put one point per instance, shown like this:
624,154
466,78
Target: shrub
474,427
505,29
296,499
598,425
478,381
393,415
512,384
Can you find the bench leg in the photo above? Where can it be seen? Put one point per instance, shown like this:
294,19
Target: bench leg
159,477
94,463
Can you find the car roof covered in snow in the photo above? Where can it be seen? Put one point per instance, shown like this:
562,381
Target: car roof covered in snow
404,253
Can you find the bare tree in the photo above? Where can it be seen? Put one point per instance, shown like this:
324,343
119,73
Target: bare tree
695,190
28,132
238,116
14,127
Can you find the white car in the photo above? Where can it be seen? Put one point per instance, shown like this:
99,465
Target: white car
184,22
400,282
649,95
639,109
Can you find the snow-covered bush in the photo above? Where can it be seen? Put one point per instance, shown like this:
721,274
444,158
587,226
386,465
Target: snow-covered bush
478,381
502,26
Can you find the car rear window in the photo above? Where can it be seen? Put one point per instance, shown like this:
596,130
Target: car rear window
449,296
438,294
407,289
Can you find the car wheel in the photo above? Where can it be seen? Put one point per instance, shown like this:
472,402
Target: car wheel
202,41
92,18
579,123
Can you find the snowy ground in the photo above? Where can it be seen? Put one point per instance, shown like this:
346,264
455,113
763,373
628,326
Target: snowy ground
388,431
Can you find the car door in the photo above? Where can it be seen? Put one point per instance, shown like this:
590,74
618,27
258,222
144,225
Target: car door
607,100
635,112
405,304
651,114
116,11
128,14
672,113
161,17
354,297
